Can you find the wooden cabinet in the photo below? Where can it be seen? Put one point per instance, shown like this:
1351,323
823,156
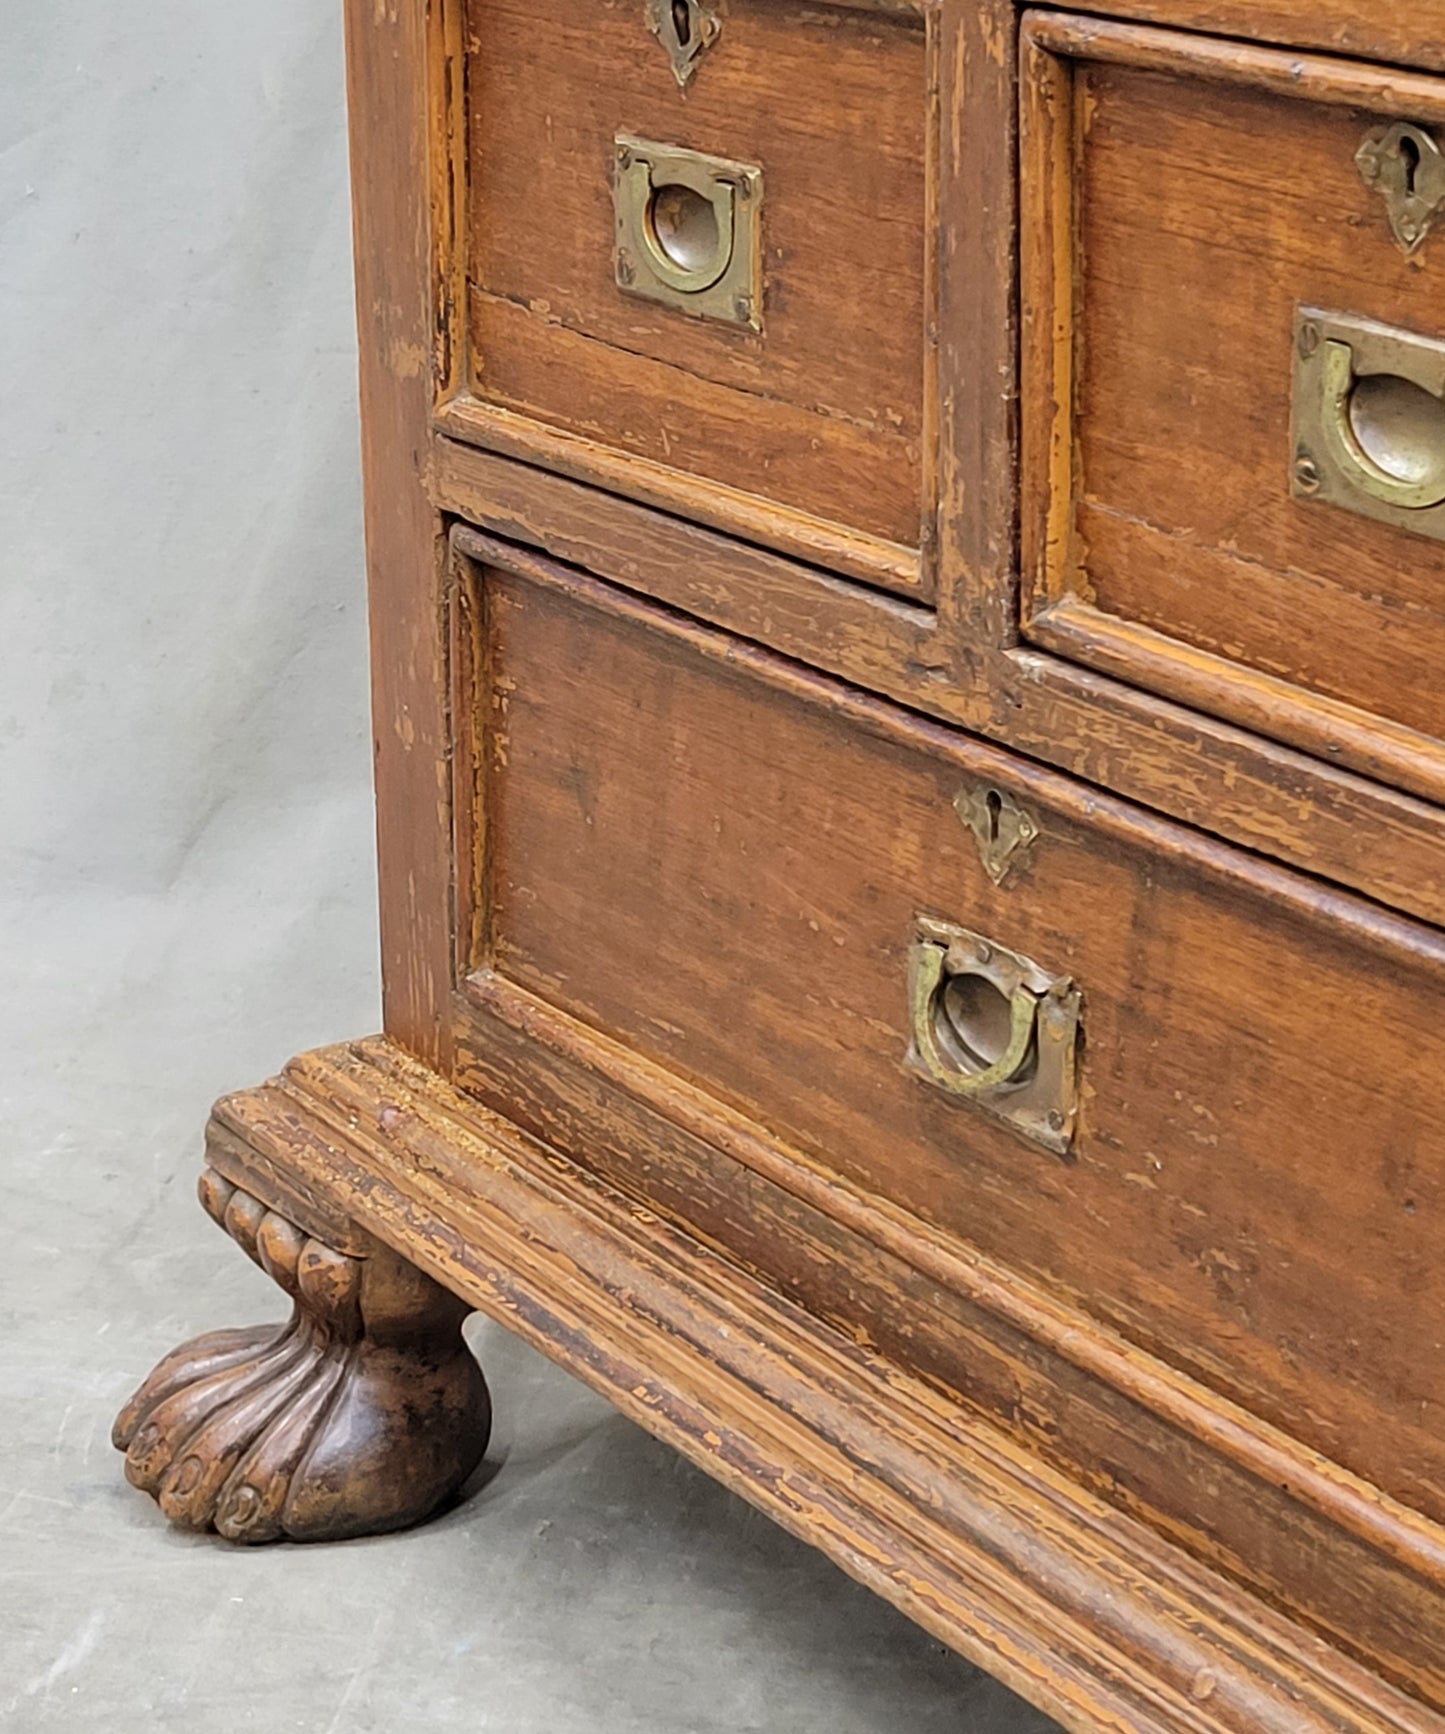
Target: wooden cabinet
907,612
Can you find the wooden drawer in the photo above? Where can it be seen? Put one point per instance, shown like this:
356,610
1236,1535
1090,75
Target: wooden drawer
1202,246
802,423
721,862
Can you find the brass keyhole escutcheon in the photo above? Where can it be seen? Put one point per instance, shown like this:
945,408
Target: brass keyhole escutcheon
1001,827
686,29
1405,166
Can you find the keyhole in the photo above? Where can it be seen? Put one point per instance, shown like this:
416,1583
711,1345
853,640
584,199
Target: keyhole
1410,158
993,804
682,22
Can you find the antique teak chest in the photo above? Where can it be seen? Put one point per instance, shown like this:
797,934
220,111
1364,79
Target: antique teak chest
907,556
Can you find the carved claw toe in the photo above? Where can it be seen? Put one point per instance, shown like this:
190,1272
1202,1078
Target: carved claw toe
364,1413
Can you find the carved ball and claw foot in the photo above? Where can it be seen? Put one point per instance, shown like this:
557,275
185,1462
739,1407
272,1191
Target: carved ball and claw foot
364,1413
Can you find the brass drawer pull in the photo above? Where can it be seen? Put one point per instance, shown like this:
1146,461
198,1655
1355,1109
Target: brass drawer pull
936,1011
688,230
989,1026
1369,420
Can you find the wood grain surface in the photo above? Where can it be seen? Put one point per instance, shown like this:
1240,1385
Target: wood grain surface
1072,1604
1203,193
666,778
387,64
824,411
1405,34
1201,1471
723,871
1327,820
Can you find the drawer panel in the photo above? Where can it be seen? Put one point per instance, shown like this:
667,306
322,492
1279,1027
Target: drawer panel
802,423
1205,246
722,862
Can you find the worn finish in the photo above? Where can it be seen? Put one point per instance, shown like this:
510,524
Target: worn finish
824,418
912,823
364,1413
388,67
1152,162
1403,35
1213,775
1146,1438
664,900
965,663
1083,1611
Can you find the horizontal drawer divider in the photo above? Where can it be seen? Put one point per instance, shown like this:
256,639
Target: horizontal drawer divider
1341,733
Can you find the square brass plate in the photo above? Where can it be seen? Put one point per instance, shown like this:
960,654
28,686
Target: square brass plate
688,231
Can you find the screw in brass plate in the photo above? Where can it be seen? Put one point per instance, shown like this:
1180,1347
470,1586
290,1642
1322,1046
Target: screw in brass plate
1306,473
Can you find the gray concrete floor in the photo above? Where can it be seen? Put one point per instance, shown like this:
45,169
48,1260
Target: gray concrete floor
596,1582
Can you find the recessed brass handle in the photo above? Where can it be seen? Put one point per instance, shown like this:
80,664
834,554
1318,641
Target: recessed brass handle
688,230
991,1028
686,225
1384,432
1369,420
932,1015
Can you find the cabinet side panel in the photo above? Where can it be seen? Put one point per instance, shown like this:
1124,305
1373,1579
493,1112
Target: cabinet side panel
387,62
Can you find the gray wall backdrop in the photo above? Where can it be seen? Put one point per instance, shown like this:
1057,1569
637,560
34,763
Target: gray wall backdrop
183,730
